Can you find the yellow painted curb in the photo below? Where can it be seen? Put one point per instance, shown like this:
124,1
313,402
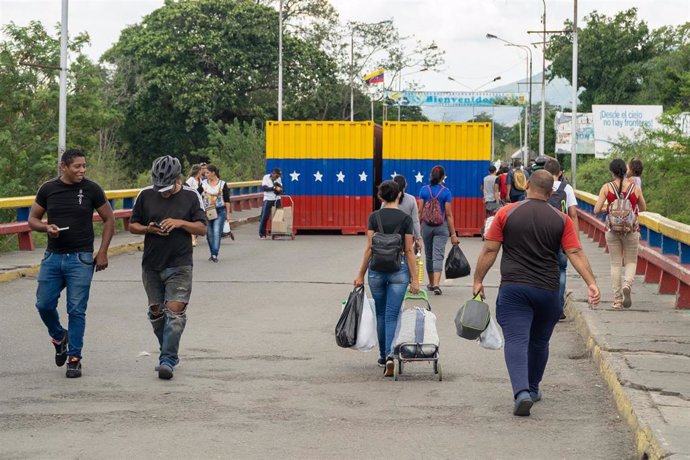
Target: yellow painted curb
646,444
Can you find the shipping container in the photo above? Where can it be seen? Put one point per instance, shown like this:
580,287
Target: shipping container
327,169
412,149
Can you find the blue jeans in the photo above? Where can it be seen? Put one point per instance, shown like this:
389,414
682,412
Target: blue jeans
563,267
266,214
388,290
73,271
214,231
527,316
173,284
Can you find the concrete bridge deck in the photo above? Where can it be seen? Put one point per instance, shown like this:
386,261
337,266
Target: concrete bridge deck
261,376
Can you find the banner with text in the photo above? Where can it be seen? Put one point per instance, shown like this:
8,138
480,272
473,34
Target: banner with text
452,99
585,133
613,123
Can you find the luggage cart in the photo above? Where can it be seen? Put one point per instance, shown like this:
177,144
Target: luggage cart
282,219
416,352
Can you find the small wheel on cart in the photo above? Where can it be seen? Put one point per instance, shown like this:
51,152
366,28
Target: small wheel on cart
439,371
396,373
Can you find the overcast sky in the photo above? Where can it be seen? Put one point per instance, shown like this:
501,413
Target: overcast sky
457,26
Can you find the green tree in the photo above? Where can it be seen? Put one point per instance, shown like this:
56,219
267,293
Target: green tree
192,62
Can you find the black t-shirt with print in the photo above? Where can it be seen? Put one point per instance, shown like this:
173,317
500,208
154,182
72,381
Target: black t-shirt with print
71,205
391,218
174,250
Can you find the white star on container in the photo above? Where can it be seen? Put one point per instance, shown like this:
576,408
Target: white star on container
394,174
340,176
363,177
318,176
294,176
418,178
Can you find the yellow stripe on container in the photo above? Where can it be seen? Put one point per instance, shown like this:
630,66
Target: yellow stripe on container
436,141
319,140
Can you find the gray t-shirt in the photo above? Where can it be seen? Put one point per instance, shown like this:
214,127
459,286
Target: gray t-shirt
489,182
409,207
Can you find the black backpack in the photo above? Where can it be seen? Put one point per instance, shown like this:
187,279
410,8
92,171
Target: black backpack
386,249
559,198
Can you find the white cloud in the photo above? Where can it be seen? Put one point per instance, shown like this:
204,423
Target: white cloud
457,26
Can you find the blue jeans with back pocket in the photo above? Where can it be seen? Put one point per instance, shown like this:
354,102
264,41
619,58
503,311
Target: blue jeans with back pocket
388,291
72,271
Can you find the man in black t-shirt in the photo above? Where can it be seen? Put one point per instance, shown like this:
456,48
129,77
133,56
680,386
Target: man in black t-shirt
69,262
168,213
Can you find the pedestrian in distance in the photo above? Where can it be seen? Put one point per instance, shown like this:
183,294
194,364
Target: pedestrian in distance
501,184
489,191
516,182
194,181
216,199
408,204
562,198
388,287
528,307
436,215
68,262
622,201
272,187
635,168
167,213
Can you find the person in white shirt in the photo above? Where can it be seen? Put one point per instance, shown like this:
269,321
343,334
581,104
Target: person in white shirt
564,197
273,188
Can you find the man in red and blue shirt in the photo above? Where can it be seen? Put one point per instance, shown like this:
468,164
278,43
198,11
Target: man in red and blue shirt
531,233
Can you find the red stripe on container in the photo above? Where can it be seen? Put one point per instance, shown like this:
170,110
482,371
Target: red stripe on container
348,214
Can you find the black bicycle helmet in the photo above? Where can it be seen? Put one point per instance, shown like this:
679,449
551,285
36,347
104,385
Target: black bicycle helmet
164,173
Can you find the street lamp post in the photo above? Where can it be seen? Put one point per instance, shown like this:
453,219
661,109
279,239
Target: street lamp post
280,61
528,52
543,87
573,129
62,107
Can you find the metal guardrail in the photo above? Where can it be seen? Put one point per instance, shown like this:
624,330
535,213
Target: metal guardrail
664,255
243,195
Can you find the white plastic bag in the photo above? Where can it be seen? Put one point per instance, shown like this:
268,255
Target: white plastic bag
491,338
367,338
226,228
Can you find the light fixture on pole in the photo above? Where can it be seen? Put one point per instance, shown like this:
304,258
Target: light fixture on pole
528,52
400,82
280,61
62,108
474,90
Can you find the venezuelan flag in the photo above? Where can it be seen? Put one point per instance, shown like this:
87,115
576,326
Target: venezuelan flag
374,77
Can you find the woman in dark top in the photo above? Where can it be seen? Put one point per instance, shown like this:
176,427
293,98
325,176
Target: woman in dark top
388,288
216,195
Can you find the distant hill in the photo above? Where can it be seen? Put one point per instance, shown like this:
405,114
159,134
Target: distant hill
558,93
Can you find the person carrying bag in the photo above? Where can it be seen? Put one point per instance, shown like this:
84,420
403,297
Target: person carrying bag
390,262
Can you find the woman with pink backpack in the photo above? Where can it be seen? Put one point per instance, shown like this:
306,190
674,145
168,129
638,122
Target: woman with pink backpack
436,216
624,201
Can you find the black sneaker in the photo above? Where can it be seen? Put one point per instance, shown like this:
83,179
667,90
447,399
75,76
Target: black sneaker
165,372
61,351
73,368
382,362
390,368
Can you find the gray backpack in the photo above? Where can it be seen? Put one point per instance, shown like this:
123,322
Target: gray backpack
472,318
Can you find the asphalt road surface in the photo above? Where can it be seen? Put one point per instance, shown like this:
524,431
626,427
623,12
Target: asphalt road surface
262,377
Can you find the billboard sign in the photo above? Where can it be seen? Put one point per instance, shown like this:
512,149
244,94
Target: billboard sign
585,133
453,99
613,123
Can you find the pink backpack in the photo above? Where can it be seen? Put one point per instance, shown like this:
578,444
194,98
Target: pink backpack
431,212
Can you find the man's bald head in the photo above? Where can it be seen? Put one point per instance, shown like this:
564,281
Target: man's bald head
540,185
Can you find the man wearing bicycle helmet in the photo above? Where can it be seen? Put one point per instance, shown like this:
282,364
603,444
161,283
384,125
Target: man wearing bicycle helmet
168,213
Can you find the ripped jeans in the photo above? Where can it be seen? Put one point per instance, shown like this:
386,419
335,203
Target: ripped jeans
169,285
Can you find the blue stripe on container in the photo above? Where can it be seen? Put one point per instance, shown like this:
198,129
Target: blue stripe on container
307,185
463,178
